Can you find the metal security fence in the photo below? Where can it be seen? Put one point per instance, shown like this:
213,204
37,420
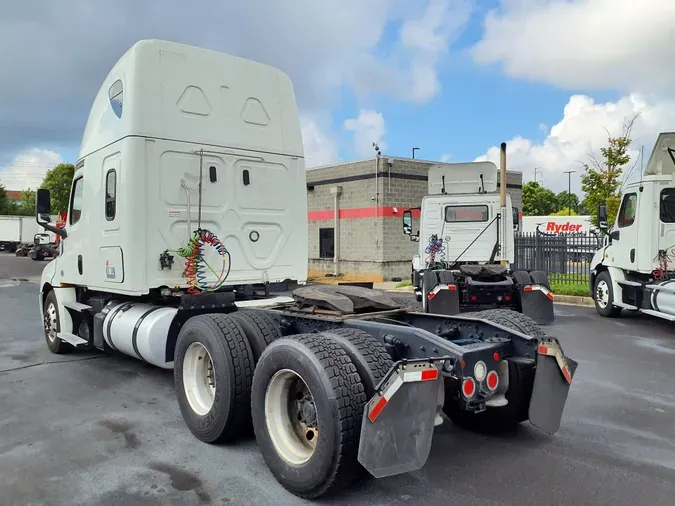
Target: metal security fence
565,257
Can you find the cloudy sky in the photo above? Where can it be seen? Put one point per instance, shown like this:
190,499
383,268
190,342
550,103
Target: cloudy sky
452,77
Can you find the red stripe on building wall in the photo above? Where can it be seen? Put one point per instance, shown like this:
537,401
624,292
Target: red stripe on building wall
361,212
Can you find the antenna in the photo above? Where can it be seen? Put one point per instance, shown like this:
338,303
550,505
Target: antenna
443,187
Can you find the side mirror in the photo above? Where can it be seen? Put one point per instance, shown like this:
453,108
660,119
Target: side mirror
39,239
43,203
516,221
43,208
407,222
602,216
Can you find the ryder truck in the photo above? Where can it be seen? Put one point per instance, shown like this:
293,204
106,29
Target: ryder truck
206,148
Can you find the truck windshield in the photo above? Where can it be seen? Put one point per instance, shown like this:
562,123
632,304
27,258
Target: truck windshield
454,214
667,207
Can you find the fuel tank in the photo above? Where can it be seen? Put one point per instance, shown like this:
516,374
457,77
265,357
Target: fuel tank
139,330
663,298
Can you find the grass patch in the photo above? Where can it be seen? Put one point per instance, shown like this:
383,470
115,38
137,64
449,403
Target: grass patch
403,284
576,289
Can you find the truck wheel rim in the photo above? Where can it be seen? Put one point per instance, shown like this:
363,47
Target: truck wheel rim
50,322
199,380
291,417
602,294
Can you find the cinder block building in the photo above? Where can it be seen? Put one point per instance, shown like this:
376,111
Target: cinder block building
369,202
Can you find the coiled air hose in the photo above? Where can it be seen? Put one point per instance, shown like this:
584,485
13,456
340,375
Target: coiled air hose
196,265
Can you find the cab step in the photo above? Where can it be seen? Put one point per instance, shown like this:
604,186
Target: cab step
71,338
652,312
77,306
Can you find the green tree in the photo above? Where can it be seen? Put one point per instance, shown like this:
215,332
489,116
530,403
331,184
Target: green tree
601,181
58,181
566,201
4,202
537,200
27,205
565,212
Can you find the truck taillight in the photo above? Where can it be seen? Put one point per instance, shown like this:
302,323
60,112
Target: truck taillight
492,380
468,387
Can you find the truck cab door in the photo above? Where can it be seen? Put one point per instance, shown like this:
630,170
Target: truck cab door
624,235
73,259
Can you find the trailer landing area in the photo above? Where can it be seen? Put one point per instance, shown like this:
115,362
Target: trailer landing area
101,430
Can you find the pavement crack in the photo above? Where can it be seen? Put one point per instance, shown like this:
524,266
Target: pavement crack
52,362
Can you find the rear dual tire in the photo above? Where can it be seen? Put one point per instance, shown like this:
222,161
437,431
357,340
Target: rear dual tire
310,449
213,373
305,400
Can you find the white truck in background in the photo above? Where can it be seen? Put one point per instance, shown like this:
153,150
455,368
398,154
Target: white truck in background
635,268
188,207
18,231
466,246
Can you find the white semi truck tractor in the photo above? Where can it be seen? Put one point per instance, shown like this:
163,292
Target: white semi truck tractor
635,268
466,246
188,210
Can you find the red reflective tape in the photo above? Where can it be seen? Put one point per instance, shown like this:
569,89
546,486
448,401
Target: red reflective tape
543,350
429,374
550,295
377,409
528,288
567,374
431,295
361,212
452,288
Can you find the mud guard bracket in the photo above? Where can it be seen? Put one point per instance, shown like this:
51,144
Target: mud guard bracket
552,380
536,301
398,422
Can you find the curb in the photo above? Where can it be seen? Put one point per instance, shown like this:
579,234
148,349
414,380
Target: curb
573,300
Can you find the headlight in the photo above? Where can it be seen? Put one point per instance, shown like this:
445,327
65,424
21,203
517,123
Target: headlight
480,371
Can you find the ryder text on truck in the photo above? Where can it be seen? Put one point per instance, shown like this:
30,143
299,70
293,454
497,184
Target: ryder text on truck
188,208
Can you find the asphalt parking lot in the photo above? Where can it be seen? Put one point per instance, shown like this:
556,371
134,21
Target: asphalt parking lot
101,430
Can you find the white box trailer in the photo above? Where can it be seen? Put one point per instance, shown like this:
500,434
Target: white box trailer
18,230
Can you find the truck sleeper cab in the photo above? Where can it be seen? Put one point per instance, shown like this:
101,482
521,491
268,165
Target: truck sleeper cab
188,204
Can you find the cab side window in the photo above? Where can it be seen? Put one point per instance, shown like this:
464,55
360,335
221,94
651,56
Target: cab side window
628,209
76,201
110,195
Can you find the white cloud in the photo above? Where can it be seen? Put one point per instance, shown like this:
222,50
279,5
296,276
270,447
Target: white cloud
324,46
319,146
410,70
582,130
28,169
445,158
368,127
615,44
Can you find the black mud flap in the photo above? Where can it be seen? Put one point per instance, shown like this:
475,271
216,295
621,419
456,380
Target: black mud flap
443,299
398,422
537,302
552,380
